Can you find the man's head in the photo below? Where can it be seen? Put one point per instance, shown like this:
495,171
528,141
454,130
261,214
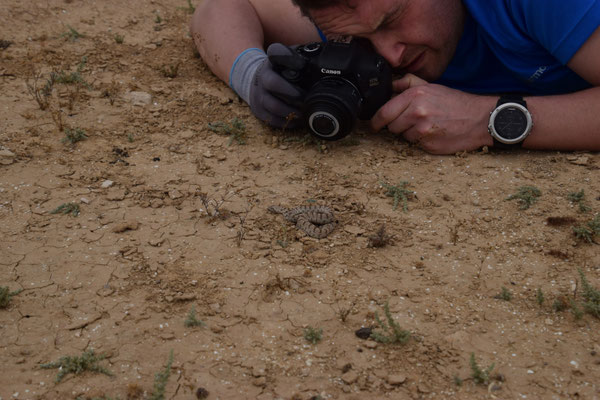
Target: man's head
416,36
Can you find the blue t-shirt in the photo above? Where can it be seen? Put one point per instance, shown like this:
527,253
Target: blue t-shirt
521,46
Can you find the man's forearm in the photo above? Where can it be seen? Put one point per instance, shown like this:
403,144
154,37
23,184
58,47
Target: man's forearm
222,29
565,122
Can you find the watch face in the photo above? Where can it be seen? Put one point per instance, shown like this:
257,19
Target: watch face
510,123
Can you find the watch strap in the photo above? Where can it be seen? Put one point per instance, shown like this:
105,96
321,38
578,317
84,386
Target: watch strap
511,98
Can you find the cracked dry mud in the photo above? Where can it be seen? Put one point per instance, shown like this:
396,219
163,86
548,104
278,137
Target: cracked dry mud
173,216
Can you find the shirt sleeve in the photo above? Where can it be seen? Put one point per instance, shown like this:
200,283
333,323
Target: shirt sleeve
560,26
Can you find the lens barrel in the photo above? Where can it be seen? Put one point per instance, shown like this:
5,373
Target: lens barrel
332,106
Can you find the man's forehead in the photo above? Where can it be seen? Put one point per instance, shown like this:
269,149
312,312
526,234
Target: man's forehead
355,16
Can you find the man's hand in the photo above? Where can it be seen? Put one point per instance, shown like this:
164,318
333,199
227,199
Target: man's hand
273,99
439,119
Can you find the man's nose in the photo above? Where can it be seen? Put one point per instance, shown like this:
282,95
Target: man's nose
389,48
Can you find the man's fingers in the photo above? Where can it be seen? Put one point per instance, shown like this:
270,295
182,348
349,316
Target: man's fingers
274,83
278,108
406,82
390,112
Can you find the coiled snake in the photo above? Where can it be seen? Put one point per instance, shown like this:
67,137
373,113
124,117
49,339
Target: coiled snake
315,221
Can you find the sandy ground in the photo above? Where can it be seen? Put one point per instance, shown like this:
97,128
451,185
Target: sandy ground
173,217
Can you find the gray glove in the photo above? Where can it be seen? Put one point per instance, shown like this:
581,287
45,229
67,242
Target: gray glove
272,99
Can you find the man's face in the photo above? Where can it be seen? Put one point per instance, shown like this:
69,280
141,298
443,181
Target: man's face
416,36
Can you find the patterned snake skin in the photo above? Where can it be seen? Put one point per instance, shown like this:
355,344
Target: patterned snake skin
315,221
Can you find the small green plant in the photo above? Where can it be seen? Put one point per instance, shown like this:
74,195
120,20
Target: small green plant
160,380
390,332
67,208
130,137
588,231
560,304
72,34
69,78
579,199
6,295
591,296
576,310
540,297
313,335
236,130
526,196
480,376
119,39
41,95
457,380
190,7
504,294
157,19
192,321
399,193
88,361
73,136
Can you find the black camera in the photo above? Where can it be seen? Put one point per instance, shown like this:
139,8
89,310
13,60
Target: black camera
343,82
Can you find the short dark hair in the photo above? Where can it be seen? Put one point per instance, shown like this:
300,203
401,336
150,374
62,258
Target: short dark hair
306,5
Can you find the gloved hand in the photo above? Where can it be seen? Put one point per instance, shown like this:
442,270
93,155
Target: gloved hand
271,98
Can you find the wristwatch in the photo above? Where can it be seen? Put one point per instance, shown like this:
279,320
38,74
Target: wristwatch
510,122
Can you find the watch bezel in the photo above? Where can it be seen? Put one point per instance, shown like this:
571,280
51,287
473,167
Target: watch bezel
495,113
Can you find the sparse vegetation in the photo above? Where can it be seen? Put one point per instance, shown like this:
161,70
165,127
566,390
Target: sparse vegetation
540,297
69,78
67,208
560,304
480,376
190,7
236,130
313,335
576,309
579,199
6,295
160,380
41,95
591,296
399,193
457,380
72,34
119,39
389,332
526,196
192,321
379,238
504,294
88,361
589,231
74,135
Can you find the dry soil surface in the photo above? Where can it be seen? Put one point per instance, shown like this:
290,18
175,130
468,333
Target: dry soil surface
168,214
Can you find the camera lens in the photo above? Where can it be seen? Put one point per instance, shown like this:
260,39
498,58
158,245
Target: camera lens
332,106
323,123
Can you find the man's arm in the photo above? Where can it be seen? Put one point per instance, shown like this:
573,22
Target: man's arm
222,29
571,121
443,120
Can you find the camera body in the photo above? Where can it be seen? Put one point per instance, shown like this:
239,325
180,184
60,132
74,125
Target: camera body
342,81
